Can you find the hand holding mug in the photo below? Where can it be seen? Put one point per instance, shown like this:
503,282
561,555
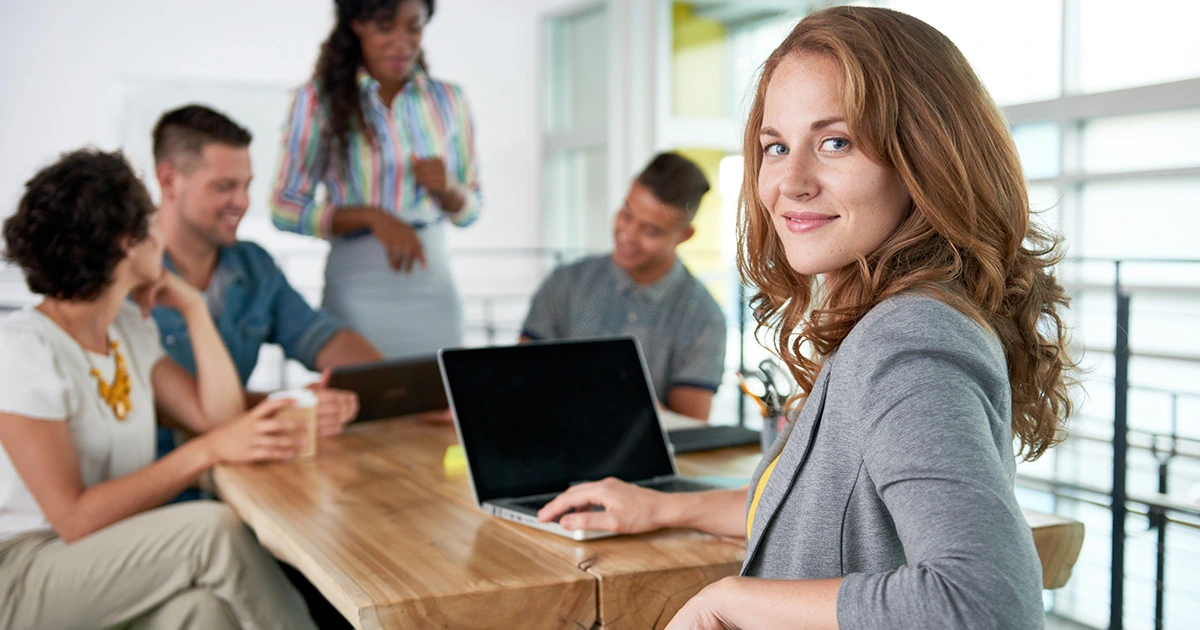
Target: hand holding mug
261,434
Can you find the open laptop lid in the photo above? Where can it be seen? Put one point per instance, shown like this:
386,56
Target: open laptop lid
538,417
396,387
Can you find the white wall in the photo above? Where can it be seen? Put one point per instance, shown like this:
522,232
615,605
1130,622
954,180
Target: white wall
66,64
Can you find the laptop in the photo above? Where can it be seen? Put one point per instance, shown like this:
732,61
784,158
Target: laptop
391,388
536,418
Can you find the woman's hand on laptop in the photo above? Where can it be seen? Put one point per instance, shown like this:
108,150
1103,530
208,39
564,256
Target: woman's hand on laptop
627,509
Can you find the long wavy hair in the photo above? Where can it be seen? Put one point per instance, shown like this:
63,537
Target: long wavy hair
336,73
913,103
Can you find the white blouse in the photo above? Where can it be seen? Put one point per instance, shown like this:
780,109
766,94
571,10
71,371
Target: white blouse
45,374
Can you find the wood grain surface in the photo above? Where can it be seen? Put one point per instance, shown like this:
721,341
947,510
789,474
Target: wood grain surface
370,530
390,534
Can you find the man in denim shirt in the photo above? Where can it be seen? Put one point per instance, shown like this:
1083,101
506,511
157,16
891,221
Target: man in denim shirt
203,167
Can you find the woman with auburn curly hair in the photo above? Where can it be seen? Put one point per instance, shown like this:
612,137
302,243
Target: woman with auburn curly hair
394,150
886,227
84,542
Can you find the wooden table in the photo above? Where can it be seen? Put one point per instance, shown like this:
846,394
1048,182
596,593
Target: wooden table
368,523
392,538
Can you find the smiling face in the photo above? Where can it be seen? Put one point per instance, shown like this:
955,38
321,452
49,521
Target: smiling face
646,232
829,202
209,194
391,46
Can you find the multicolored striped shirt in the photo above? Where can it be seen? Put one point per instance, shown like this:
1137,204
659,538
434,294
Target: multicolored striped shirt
428,118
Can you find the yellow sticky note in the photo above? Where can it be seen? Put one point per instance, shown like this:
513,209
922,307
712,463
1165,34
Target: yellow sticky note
454,462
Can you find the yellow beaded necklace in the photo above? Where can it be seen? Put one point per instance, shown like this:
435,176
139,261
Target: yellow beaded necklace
116,393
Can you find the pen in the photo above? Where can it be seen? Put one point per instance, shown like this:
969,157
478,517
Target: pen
746,390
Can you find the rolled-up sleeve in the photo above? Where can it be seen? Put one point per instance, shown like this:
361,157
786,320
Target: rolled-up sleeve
303,157
468,163
930,447
305,348
299,329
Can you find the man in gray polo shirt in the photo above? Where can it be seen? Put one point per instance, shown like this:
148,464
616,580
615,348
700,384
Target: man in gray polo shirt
643,290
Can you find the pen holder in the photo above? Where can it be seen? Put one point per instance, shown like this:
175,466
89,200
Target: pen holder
770,430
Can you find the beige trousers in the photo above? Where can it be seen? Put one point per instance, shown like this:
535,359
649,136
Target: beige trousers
190,565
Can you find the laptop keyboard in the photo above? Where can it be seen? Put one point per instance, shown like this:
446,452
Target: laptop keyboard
532,503
663,485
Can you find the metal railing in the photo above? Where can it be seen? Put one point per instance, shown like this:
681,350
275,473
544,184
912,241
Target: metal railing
1157,509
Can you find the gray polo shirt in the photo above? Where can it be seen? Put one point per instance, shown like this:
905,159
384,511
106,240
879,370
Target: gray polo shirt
680,326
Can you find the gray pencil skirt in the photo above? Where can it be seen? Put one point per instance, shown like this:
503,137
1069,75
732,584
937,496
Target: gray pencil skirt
402,314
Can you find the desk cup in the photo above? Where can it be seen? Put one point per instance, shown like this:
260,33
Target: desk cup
304,408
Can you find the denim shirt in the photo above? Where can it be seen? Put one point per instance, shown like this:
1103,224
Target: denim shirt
257,306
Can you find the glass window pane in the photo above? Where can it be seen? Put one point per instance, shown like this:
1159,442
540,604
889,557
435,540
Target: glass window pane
1038,145
751,44
578,82
698,63
576,209
1045,202
717,48
709,253
1014,46
1146,218
1124,45
1158,140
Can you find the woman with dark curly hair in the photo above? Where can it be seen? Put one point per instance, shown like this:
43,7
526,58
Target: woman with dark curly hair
394,150
83,541
885,224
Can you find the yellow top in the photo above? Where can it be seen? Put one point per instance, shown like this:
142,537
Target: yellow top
758,490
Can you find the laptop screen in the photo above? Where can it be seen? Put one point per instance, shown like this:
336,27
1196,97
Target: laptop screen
537,417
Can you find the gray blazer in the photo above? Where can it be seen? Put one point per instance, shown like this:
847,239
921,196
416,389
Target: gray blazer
898,475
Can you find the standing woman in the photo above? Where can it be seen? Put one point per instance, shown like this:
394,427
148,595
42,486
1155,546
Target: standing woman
394,150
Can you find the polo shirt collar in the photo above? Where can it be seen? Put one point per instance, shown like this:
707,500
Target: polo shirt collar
656,291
